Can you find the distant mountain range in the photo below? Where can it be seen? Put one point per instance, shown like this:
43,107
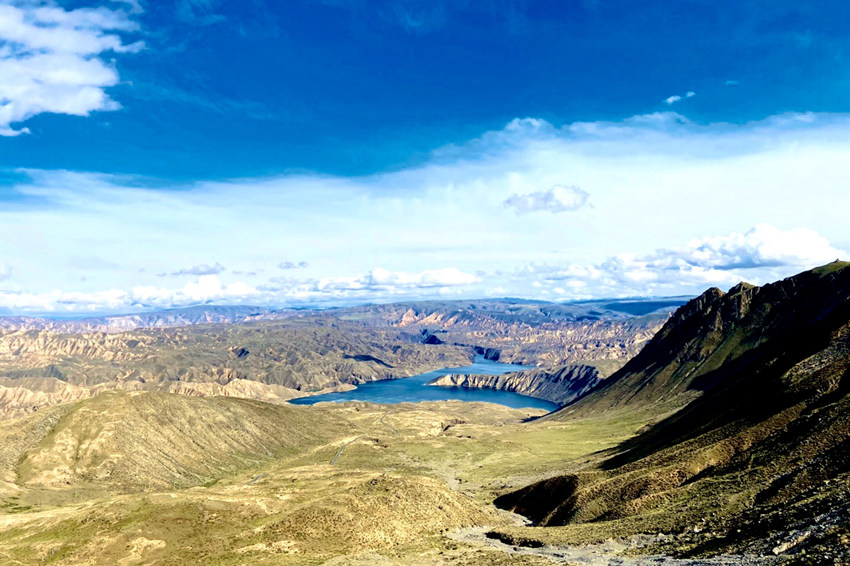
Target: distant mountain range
208,314
725,431
506,309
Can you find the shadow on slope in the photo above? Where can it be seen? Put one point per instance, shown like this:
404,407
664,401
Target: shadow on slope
748,388
761,443
721,359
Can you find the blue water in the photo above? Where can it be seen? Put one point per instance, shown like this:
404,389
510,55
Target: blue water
413,389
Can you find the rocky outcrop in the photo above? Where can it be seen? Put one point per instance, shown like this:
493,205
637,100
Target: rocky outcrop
720,338
560,385
488,353
432,339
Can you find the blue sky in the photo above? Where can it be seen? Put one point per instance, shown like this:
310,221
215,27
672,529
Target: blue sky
328,152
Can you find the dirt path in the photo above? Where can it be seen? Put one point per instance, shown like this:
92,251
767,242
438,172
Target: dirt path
350,442
610,553
392,428
342,449
257,478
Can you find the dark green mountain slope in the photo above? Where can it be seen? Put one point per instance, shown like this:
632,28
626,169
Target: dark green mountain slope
763,376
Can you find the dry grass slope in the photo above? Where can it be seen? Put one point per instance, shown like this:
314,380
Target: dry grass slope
764,444
127,442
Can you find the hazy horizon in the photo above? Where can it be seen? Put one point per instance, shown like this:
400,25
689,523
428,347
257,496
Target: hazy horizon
145,309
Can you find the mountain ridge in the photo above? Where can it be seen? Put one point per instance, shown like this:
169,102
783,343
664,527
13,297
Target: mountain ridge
235,314
714,328
751,395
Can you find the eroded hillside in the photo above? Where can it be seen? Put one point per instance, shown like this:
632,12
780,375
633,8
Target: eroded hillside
303,353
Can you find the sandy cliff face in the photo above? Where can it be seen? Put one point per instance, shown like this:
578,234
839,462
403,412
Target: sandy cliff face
265,360
19,397
560,385
529,332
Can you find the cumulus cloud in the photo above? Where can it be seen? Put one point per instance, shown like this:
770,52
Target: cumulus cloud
51,60
762,246
671,100
207,289
712,260
659,182
293,265
380,279
202,269
559,198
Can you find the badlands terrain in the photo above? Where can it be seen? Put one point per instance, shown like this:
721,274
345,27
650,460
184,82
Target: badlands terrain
717,435
274,356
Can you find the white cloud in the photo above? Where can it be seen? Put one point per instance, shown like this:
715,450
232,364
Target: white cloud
202,269
207,289
762,246
671,100
658,182
5,271
376,284
50,60
380,279
712,260
559,198
293,265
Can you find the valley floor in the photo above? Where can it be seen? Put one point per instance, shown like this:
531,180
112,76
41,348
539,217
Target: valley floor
400,484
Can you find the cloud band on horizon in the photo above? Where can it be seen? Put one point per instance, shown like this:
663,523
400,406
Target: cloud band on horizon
656,180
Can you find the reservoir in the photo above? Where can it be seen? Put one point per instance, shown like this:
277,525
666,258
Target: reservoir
414,389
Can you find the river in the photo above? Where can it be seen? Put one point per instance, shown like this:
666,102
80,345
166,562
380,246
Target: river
414,389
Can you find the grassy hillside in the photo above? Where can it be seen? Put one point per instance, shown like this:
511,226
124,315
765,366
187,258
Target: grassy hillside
125,442
164,479
762,441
